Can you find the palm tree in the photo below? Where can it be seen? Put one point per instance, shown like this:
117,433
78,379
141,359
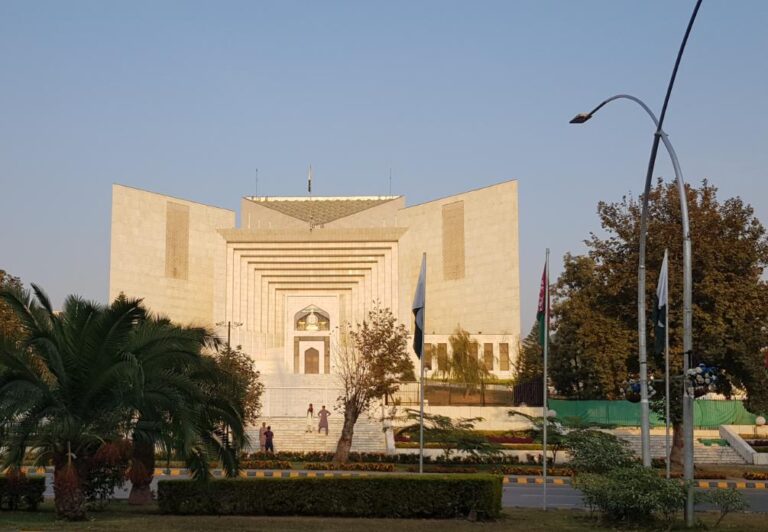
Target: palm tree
91,375
65,387
179,406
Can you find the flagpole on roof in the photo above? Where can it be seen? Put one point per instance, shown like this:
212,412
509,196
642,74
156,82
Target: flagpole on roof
309,191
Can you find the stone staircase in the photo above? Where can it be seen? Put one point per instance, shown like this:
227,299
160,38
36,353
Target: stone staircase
291,435
703,454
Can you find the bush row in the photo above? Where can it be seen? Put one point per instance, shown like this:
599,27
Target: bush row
19,492
328,466
412,458
533,471
444,469
265,464
403,496
756,475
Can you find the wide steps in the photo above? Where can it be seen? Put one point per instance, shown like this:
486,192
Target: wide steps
703,454
291,435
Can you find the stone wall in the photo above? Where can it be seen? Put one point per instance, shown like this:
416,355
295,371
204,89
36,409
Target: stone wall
162,250
471,241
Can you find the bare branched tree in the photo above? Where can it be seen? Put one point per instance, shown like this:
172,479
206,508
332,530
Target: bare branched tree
371,361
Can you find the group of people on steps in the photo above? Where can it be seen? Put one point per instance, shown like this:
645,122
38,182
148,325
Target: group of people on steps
266,436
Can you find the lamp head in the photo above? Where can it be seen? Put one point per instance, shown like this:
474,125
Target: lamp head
581,118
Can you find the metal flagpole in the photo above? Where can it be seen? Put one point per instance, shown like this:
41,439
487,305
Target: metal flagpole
309,191
421,358
667,448
546,352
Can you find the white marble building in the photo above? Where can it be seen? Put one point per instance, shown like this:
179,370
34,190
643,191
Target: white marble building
297,267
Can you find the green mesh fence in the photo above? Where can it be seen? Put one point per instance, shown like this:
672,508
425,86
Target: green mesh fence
707,413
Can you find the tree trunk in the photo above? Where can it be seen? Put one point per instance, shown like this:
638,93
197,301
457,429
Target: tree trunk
345,440
676,453
142,473
69,498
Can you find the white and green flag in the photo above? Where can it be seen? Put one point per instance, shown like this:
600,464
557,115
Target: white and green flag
660,308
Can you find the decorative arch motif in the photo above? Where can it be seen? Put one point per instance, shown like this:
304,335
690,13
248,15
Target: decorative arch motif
312,319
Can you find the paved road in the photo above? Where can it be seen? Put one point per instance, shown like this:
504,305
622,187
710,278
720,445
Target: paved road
532,496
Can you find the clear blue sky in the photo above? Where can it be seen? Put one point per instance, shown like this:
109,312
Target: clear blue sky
189,98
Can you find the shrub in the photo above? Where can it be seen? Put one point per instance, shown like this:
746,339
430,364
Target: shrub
533,471
756,475
444,469
727,501
402,496
328,466
265,464
594,451
17,491
632,494
411,458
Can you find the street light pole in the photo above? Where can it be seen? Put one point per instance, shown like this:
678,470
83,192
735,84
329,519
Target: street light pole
687,277
229,325
641,308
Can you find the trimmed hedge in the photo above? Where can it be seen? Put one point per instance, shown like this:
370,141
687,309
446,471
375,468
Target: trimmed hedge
364,466
21,492
397,496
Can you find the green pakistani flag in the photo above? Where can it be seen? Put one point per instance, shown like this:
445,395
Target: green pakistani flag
543,310
660,308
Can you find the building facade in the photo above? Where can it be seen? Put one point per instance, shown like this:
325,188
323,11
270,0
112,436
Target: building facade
296,268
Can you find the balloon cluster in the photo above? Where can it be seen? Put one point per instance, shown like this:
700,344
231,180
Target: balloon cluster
632,389
702,379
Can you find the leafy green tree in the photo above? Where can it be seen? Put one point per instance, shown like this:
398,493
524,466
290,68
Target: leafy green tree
9,323
371,361
592,347
464,366
595,336
530,364
240,381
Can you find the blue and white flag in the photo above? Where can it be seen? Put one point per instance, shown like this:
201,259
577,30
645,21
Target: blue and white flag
419,302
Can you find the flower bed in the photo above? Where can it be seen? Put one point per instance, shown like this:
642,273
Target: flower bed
506,446
533,471
265,464
756,475
444,469
369,466
493,436
758,445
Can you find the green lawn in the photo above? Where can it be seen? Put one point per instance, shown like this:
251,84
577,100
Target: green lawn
121,517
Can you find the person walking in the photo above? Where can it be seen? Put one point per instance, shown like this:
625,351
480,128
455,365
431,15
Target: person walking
323,415
268,444
262,437
310,418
